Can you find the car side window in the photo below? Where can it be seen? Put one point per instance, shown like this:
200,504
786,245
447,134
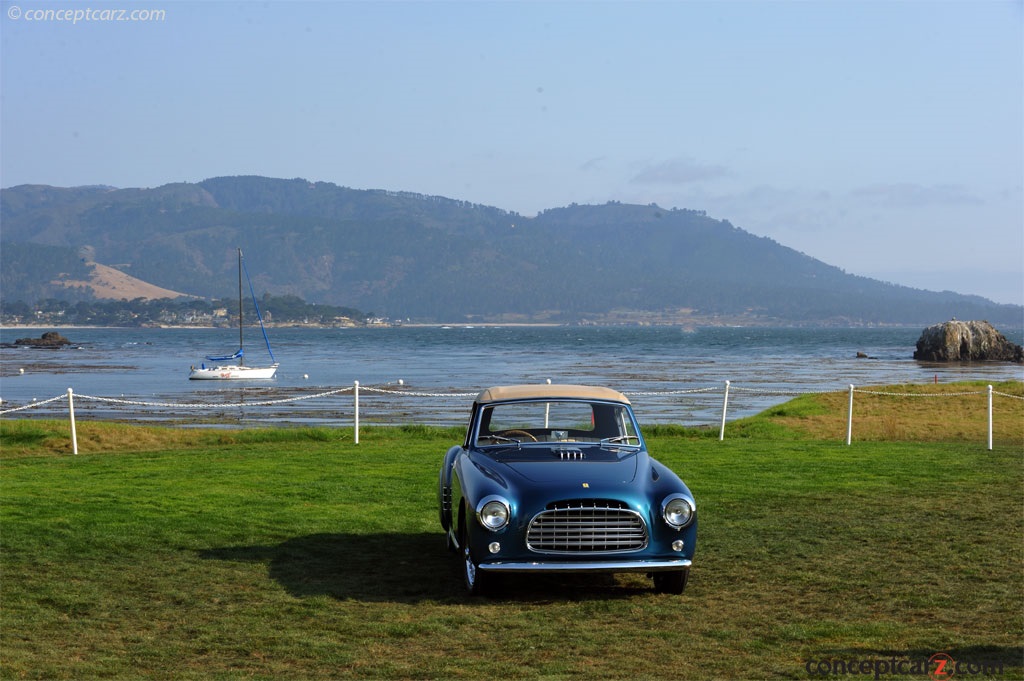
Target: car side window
468,440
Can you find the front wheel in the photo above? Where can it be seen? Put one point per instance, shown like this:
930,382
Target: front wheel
449,542
672,582
478,582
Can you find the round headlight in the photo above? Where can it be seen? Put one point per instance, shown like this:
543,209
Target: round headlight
493,513
677,511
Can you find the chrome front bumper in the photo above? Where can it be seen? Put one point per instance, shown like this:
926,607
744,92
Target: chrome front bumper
655,565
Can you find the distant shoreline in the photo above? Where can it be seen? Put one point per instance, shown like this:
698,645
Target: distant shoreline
439,325
479,325
690,326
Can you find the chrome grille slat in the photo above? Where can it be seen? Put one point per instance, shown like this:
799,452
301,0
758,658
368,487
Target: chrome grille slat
587,526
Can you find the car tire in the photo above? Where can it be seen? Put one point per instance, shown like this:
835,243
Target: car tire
673,582
449,542
478,582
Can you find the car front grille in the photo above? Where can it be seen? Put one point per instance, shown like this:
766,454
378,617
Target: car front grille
587,526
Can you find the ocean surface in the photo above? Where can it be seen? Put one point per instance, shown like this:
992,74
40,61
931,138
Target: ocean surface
428,375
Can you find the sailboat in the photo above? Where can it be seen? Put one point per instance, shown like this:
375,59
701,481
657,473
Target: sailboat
233,367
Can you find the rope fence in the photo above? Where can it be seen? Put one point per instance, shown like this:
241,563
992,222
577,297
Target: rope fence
355,390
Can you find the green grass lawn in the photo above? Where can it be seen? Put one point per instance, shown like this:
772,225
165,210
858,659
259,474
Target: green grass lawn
295,554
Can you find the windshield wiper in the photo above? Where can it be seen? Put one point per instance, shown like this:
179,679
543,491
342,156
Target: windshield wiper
619,440
498,439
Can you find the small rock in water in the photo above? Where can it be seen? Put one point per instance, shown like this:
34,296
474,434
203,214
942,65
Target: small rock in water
50,339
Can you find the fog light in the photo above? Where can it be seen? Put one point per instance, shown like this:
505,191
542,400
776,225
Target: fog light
494,547
677,545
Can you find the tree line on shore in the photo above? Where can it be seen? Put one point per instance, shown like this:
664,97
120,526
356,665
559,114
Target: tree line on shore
286,309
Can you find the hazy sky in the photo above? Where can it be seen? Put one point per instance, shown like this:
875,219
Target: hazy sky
881,137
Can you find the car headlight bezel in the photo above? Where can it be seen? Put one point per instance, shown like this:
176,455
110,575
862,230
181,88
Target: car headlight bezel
678,511
493,513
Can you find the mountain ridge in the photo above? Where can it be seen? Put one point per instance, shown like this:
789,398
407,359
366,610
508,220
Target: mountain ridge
432,258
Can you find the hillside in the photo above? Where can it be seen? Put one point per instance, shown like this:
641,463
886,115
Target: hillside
108,283
430,258
28,268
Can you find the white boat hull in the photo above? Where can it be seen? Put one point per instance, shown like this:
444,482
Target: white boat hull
231,372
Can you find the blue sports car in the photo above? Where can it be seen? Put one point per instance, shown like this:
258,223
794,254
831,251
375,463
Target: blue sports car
557,478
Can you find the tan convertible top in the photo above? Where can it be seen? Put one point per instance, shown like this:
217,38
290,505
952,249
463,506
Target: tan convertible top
546,391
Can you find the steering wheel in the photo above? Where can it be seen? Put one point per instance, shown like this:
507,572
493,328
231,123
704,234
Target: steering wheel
509,433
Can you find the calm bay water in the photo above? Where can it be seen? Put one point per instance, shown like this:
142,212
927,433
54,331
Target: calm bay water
434,367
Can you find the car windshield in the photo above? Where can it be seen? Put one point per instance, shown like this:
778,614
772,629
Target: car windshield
557,421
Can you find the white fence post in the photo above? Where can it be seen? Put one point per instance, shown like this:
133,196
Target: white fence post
71,414
990,418
725,406
547,410
849,419
355,392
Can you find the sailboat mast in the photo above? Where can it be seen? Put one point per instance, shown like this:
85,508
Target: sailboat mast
241,360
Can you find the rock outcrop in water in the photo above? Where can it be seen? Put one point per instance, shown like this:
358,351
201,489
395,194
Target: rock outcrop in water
50,339
955,341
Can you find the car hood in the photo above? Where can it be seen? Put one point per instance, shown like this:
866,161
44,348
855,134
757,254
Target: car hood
594,465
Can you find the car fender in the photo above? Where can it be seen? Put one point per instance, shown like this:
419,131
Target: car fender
664,482
473,480
444,487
